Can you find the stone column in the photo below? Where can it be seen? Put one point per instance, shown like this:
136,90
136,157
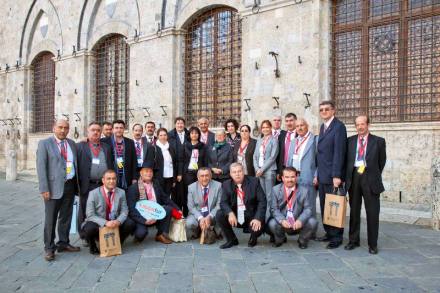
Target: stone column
435,195
11,157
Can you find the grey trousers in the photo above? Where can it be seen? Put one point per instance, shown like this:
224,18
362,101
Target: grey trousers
192,226
312,193
267,181
61,210
309,227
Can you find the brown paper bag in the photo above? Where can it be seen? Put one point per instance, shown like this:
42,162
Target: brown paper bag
109,241
208,236
335,210
177,230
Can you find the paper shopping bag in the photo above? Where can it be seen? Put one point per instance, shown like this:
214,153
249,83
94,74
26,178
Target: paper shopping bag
109,241
177,230
335,210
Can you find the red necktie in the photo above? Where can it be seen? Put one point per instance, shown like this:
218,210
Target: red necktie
63,149
205,195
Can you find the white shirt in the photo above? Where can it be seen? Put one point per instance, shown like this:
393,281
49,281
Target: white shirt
167,160
296,160
181,136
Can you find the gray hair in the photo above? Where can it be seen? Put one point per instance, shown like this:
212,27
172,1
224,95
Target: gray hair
302,120
220,131
204,169
234,165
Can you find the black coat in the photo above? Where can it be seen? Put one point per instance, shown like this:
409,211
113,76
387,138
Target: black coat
174,140
85,163
187,152
375,158
211,139
255,199
249,156
159,163
220,158
130,160
133,197
148,155
280,158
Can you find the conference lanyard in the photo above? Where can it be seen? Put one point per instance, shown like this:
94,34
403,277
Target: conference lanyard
242,149
264,144
292,198
298,146
95,150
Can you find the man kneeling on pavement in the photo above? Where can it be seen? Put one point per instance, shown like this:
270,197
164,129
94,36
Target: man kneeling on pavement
291,210
203,203
148,189
106,206
243,205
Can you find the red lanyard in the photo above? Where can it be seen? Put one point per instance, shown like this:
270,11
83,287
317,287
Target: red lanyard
240,194
95,150
362,146
149,189
265,141
298,146
292,199
241,149
109,201
204,138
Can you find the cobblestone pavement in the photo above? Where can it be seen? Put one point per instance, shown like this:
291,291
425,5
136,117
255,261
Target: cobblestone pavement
408,260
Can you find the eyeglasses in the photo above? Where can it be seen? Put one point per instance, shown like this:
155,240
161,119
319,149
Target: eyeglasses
324,109
244,130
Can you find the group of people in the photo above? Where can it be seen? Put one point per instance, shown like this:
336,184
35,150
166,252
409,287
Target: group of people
215,180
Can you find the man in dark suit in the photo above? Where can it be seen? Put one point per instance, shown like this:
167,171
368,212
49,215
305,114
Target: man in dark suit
150,129
94,158
207,137
57,171
148,189
332,145
124,155
144,150
243,205
107,129
366,158
284,142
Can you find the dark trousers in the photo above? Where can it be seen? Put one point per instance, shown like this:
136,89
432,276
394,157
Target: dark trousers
167,185
228,232
335,234
179,198
83,204
61,210
162,226
91,231
360,188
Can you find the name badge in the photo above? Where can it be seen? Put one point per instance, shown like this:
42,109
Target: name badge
204,209
120,162
194,166
68,167
240,159
95,161
361,169
295,157
140,162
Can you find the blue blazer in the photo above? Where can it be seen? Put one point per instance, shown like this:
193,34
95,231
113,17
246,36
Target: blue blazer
308,162
332,146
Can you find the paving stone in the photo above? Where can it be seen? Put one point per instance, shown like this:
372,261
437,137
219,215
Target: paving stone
395,284
216,283
401,256
244,286
270,282
144,281
324,260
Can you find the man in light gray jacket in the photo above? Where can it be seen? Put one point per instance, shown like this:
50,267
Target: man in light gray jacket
57,179
203,203
106,206
290,210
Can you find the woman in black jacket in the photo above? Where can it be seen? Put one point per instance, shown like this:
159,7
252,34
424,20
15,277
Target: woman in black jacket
194,156
167,163
220,157
244,150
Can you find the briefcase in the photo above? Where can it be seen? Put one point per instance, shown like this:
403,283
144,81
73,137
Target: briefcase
335,209
109,241
177,230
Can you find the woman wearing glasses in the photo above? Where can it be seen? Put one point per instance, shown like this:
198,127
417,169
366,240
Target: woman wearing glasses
244,150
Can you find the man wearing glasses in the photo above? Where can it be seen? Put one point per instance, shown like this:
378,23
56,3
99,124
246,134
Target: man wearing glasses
332,145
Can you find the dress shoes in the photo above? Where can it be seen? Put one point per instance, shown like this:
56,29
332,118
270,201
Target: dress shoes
373,250
333,245
161,238
324,238
229,244
302,245
252,241
351,245
68,248
93,249
277,244
272,239
49,256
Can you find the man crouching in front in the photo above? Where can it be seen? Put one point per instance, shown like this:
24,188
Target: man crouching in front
243,205
106,206
291,210
148,189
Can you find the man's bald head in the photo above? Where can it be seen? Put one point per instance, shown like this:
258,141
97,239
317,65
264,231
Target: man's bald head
302,127
61,128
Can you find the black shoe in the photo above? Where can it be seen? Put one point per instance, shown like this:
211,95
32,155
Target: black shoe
229,244
272,239
333,245
373,250
351,245
277,244
93,249
324,238
302,245
252,241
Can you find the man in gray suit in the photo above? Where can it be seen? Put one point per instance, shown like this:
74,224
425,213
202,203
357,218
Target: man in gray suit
57,179
290,209
203,203
302,156
106,206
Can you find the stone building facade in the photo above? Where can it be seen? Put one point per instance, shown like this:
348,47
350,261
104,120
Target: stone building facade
51,67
